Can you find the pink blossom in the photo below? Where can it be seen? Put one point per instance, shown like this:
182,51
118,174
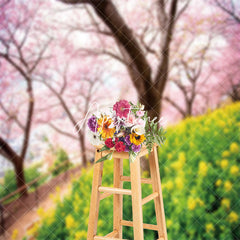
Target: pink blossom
131,119
122,108
140,113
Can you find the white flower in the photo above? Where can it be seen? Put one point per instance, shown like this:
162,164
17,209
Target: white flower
94,138
138,129
140,122
141,107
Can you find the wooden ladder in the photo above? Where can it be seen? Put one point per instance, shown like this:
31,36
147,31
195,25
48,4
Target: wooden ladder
100,192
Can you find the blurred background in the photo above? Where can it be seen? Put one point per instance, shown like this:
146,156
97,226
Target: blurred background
62,60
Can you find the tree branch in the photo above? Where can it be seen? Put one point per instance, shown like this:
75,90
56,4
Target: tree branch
175,105
228,11
162,72
11,116
62,132
7,151
106,10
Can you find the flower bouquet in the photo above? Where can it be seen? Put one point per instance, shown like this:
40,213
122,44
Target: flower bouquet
125,129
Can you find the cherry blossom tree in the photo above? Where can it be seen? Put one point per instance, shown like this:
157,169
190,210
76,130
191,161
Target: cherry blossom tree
133,47
231,8
190,73
21,52
227,68
75,85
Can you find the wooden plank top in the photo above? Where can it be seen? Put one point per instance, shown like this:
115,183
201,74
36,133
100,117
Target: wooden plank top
124,155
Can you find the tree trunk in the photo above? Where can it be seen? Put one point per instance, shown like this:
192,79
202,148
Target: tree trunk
20,177
7,151
152,100
235,96
83,149
188,108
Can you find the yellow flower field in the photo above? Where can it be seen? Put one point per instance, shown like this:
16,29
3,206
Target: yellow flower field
199,166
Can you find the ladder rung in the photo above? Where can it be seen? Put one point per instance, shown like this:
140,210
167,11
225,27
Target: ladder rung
143,180
115,190
149,197
112,234
104,195
107,238
145,225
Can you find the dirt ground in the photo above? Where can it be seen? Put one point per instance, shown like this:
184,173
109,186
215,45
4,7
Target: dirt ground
22,213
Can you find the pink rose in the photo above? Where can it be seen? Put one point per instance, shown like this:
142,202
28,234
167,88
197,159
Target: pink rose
140,122
140,113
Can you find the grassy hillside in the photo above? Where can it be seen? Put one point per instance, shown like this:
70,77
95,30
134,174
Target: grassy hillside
199,167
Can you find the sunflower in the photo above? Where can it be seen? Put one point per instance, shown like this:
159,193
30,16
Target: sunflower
137,139
104,127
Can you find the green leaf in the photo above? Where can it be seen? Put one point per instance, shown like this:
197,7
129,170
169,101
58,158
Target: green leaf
104,148
107,157
132,156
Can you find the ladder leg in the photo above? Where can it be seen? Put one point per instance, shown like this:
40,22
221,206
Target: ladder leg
117,198
136,199
95,198
158,201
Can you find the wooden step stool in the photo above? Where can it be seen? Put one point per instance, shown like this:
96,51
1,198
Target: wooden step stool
100,192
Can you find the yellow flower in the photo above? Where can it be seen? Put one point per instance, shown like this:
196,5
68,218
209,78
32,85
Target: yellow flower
169,223
169,185
200,201
224,163
50,216
221,123
233,217
234,148
177,165
192,203
202,168
226,130
225,203
32,231
218,182
14,234
137,139
225,154
70,223
234,170
209,227
104,122
175,200
100,223
80,235
41,212
228,185
206,129
179,182
182,157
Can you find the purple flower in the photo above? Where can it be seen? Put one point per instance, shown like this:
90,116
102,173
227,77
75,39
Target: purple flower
126,148
127,140
136,148
92,124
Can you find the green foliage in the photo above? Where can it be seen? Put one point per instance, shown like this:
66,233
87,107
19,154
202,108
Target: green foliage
154,134
10,185
61,163
199,165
